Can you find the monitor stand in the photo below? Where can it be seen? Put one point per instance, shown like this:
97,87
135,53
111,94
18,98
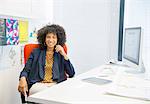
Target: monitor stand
129,69
133,71
140,70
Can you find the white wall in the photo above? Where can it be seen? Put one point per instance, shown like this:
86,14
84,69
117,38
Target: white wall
92,30
35,9
8,86
41,14
19,8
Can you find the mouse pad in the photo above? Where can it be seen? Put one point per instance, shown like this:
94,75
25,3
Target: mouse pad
98,81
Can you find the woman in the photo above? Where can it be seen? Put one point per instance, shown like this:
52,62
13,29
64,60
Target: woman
48,64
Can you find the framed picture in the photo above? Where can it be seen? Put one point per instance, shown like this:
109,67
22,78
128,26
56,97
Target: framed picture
2,31
23,31
12,32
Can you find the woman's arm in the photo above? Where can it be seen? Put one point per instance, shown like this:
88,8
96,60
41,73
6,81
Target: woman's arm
23,86
69,69
67,64
60,49
27,67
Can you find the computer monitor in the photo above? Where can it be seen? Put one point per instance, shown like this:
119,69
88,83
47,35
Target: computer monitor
132,49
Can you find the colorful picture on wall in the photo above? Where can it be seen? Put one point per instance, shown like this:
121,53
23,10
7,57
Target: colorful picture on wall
23,31
2,32
12,32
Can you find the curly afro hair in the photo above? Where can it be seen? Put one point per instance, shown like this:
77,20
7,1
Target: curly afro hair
55,29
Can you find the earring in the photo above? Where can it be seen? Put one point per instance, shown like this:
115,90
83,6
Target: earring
44,44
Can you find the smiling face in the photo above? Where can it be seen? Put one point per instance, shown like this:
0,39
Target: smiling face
51,40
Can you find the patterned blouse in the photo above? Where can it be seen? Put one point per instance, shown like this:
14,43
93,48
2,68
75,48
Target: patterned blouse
48,68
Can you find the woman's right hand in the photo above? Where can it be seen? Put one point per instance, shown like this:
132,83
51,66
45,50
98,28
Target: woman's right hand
23,87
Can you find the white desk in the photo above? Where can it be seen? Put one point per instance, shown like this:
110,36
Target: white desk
76,91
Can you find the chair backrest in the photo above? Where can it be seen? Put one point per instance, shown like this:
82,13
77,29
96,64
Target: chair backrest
29,47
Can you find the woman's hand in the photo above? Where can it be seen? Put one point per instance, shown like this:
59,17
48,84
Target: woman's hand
60,49
23,87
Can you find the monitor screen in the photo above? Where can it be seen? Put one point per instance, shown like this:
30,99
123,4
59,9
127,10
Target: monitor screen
132,46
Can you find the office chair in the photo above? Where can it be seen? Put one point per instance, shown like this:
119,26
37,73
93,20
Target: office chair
28,48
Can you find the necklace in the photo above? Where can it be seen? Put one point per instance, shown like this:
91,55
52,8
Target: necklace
49,54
